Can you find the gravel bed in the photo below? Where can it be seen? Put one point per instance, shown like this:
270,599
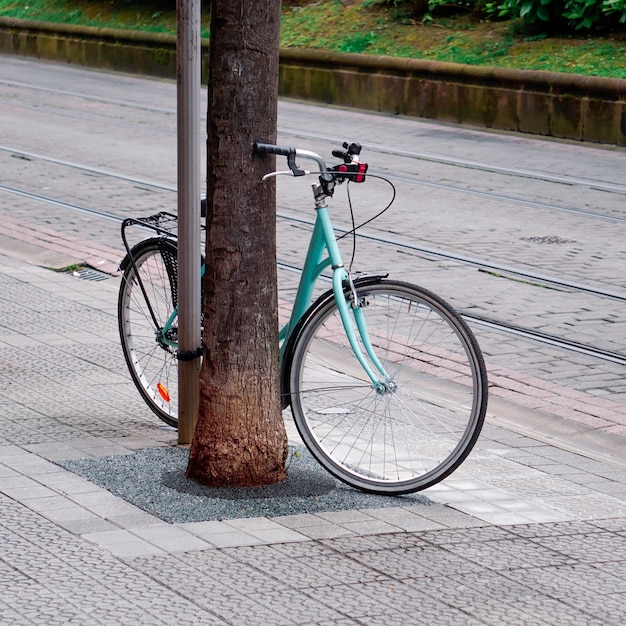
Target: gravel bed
153,479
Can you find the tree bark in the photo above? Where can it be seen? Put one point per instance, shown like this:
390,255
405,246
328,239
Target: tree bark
240,439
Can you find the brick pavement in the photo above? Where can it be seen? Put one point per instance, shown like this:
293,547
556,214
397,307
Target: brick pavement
67,249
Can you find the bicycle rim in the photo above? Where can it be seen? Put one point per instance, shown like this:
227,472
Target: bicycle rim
152,365
423,427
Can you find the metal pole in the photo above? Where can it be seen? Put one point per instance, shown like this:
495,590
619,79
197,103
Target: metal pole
189,302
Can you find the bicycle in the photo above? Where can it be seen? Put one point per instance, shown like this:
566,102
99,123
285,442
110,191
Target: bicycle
386,382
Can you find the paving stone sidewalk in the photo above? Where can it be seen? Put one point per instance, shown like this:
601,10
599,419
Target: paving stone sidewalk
526,532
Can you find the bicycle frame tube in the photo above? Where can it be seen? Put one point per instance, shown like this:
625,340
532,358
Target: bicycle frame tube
323,239
314,265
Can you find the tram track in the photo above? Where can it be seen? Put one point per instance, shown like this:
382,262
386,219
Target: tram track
490,323
133,104
481,321
490,195
429,252
59,203
438,253
404,178
481,264
597,185
593,184
611,356
493,324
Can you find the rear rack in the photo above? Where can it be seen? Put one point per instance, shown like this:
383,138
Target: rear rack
164,224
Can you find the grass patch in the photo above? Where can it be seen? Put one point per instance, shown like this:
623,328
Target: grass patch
364,26
144,15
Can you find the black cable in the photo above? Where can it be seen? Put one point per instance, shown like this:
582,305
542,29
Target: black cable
371,219
353,231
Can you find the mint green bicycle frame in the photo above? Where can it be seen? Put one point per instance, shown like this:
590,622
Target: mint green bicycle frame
323,252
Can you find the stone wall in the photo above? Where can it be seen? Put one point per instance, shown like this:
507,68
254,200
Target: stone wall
558,105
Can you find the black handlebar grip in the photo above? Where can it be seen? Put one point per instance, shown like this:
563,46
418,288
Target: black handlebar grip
290,153
268,148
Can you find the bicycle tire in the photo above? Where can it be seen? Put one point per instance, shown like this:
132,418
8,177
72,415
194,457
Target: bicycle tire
400,441
152,364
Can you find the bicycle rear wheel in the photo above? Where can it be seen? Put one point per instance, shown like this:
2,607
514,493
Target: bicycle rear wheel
424,425
142,314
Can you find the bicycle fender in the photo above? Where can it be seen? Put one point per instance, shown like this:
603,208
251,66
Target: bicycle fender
292,340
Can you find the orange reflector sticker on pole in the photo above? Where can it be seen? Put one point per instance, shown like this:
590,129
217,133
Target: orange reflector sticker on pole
163,392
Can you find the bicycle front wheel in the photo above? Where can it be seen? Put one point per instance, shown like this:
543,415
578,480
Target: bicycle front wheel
424,423
146,301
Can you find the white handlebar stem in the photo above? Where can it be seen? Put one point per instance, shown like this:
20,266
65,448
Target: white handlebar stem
312,156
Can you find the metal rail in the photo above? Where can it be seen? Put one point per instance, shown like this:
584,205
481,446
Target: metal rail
482,264
597,185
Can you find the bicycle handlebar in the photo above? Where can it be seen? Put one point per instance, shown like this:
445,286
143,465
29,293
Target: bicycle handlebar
350,169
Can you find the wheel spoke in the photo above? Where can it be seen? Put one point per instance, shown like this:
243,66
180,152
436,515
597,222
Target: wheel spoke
417,431
152,364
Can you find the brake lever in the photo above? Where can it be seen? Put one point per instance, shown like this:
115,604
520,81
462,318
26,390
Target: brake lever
291,162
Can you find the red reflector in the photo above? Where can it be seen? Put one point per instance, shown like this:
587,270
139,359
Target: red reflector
163,392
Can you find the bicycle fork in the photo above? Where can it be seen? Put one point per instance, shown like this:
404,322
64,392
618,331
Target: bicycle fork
355,327
351,312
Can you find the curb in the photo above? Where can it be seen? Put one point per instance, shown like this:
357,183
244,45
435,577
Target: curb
55,250
583,108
